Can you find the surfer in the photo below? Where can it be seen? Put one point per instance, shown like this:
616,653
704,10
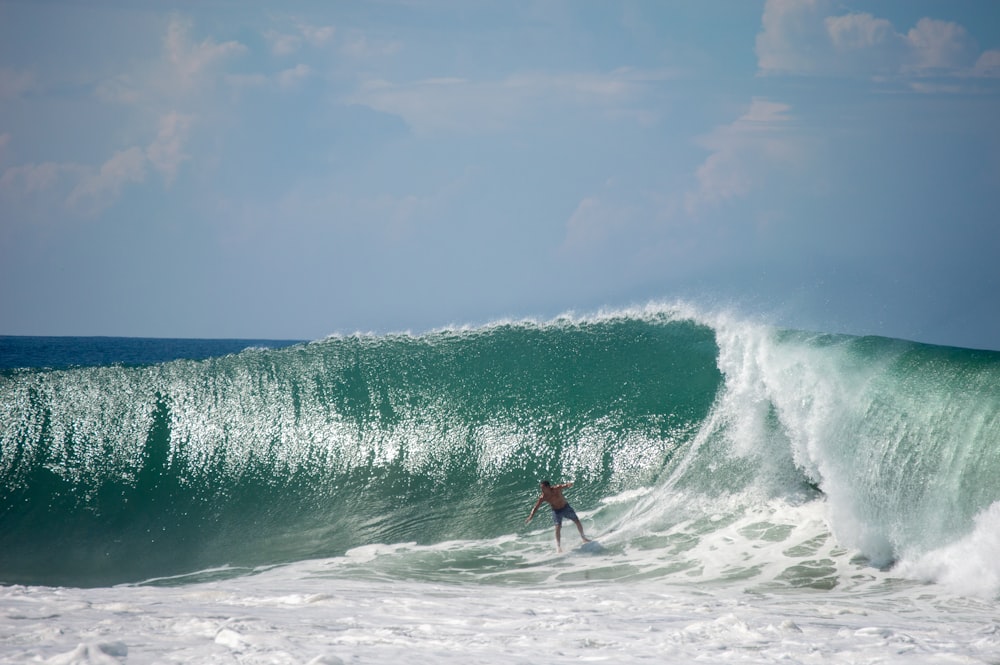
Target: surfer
553,496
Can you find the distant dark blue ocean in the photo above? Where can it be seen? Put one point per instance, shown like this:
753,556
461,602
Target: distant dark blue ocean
64,352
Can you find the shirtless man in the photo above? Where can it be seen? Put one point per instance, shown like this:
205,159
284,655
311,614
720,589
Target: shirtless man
560,509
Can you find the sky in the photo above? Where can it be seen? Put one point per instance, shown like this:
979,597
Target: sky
295,170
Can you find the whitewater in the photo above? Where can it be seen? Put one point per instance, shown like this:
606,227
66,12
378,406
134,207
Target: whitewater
759,495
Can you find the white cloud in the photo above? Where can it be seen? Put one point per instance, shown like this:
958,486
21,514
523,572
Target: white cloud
807,37
858,31
939,45
861,44
791,29
740,152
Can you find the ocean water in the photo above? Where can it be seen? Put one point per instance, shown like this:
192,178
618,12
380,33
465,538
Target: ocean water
757,495
65,352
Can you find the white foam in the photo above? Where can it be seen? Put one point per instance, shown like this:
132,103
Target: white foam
302,614
628,496
970,566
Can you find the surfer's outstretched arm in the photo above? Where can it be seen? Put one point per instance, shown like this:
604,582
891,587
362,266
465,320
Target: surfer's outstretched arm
534,510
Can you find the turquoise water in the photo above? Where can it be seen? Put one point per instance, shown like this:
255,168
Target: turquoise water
677,429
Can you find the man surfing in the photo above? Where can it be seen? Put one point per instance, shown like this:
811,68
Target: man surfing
553,496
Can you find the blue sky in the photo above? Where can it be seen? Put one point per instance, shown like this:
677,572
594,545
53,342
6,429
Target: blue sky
292,170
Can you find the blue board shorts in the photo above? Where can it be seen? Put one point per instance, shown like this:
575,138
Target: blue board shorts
566,511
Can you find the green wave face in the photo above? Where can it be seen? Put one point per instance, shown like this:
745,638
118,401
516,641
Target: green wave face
114,474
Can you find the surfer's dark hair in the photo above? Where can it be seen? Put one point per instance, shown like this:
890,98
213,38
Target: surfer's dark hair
546,483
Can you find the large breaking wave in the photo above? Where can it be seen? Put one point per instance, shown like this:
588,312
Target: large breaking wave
116,474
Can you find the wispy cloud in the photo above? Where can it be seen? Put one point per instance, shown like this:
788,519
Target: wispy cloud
190,60
988,64
120,89
30,179
157,90
283,43
598,220
358,45
185,69
292,77
741,152
88,189
166,152
170,95
458,104
99,188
